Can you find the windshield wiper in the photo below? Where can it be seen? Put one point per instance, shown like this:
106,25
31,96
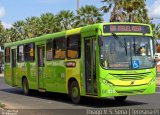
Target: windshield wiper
134,46
123,45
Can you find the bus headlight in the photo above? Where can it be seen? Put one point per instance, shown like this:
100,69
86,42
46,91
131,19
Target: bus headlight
152,81
104,81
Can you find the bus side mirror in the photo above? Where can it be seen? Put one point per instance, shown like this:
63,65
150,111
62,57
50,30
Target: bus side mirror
100,42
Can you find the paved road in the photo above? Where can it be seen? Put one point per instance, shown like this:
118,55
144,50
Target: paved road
15,99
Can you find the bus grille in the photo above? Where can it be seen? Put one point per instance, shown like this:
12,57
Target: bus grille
131,92
128,77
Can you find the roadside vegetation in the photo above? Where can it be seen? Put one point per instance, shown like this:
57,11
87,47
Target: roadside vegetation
2,105
120,10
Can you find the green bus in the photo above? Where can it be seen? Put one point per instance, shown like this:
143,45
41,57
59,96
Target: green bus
100,60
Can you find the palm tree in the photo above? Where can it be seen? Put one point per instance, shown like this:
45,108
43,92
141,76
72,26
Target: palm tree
156,30
115,7
135,10
66,19
19,29
7,36
33,27
126,10
2,29
88,14
49,23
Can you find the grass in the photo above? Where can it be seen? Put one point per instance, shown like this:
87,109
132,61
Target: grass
2,105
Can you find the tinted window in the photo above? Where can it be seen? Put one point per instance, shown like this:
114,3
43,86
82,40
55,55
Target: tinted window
49,53
20,54
59,48
7,55
73,47
29,52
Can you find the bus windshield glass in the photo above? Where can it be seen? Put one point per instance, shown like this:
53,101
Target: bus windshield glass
127,52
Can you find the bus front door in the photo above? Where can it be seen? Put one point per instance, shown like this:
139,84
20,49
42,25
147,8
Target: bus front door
40,54
14,74
90,66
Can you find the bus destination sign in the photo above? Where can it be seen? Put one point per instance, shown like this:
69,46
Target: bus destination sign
126,28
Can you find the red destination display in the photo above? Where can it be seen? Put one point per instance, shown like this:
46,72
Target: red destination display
126,28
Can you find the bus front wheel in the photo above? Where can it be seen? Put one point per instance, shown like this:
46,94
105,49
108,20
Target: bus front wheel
120,98
74,92
25,86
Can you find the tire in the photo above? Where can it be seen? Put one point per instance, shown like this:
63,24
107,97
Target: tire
26,90
120,98
74,92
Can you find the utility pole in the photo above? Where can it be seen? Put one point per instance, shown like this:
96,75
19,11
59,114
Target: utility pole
78,4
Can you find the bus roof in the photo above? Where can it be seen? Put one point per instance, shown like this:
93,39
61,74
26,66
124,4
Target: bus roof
36,39
68,33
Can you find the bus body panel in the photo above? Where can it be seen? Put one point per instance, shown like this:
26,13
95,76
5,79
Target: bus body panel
8,74
73,72
21,71
56,74
89,34
119,83
59,71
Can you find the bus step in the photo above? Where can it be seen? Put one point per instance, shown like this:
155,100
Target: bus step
41,90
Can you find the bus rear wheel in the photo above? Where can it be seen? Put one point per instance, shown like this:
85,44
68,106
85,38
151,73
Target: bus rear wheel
26,90
74,92
120,98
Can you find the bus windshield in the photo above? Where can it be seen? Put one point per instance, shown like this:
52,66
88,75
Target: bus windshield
127,52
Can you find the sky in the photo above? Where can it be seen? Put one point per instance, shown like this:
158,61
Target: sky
15,10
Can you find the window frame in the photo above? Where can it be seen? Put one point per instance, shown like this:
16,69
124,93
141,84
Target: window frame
9,56
78,37
47,41
53,48
23,54
29,60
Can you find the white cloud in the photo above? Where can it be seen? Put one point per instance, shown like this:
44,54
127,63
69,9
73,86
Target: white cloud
2,12
6,25
154,10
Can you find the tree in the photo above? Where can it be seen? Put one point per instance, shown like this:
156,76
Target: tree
49,23
19,29
136,10
66,19
115,7
88,14
126,10
33,27
2,29
156,30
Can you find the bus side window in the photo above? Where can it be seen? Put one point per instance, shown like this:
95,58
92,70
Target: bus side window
20,54
49,47
29,52
73,47
7,55
59,48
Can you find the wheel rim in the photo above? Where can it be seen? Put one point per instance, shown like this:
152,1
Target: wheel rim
75,92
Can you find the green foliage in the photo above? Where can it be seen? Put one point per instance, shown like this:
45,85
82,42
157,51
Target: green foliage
126,10
88,15
66,19
2,105
156,30
49,23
